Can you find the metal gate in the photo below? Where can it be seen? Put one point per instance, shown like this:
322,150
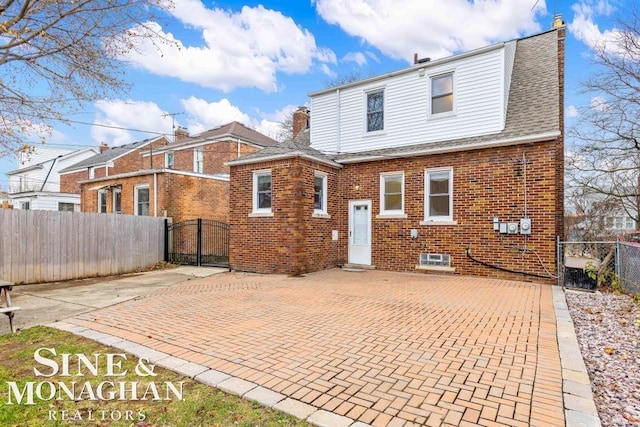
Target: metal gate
197,242
586,265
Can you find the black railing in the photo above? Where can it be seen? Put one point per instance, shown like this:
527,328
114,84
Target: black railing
197,242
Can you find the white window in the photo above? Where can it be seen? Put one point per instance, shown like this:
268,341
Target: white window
92,173
320,193
66,207
198,160
102,201
117,201
392,193
25,205
141,201
442,94
375,110
262,191
168,160
438,195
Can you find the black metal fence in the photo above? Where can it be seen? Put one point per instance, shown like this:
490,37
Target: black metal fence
588,265
197,242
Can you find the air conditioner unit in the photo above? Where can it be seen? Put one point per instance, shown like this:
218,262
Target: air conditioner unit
435,260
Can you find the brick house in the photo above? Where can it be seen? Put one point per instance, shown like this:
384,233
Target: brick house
184,179
448,166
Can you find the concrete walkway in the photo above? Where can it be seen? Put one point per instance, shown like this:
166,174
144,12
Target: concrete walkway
44,303
347,348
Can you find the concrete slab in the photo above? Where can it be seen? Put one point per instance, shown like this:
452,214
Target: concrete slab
295,408
212,377
191,369
236,386
579,419
324,418
264,396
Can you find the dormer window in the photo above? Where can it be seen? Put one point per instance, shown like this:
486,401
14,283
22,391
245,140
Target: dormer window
442,94
375,110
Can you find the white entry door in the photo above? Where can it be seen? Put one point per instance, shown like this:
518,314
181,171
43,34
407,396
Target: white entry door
360,232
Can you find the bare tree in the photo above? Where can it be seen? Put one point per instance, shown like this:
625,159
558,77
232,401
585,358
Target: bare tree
57,54
606,158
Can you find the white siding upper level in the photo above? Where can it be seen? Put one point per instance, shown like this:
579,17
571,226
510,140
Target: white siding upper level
481,81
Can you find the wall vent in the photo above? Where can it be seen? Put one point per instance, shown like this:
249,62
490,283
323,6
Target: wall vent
435,260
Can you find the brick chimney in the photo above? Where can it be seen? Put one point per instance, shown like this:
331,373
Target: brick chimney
300,120
103,147
180,134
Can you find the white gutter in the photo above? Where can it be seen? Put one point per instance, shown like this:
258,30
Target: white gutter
282,157
155,194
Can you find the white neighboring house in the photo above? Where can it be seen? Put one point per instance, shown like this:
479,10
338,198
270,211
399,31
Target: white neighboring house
36,183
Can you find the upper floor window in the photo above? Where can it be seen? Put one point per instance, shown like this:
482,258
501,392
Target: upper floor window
168,161
92,173
438,195
320,193
198,160
392,193
375,110
102,201
142,200
442,93
262,191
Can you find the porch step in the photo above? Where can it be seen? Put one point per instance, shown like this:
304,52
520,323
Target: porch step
358,267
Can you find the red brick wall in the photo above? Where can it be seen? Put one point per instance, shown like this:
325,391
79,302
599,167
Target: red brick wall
179,197
69,181
292,240
215,155
487,183
188,197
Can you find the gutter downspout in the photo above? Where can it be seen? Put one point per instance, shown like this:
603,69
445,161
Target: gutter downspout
49,173
155,194
338,120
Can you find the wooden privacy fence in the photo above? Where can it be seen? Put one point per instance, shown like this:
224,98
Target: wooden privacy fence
46,246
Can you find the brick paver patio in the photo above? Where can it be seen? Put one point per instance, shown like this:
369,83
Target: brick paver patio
380,348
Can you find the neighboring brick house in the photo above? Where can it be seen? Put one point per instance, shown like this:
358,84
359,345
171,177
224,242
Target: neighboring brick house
185,179
453,165
36,183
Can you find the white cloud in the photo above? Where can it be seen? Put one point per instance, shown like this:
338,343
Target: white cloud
598,103
128,114
572,111
432,28
357,57
203,115
328,71
199,115
585,28
239,49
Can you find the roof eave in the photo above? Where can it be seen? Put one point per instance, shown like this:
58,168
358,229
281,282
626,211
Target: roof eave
546,136
290,155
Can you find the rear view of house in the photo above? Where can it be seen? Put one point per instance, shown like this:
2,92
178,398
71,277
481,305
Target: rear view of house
453,165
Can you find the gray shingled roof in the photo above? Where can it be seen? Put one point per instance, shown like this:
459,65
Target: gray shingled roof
532,109
107,155
289,148
239,130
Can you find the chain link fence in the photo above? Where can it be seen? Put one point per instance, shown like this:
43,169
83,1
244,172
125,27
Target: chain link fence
628,267
586,265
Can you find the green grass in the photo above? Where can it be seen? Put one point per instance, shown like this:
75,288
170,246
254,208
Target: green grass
201,405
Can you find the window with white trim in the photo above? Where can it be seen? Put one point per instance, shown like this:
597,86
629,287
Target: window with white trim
442,94
198,160
262,191
438,195
168,160
320,193
102,201
141,202
375,110
392,193
92,173
66,207
117,201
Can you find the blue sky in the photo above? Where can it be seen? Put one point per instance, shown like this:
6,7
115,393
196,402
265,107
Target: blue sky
255,62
